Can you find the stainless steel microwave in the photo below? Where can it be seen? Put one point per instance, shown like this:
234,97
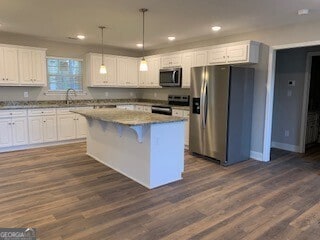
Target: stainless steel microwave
171,77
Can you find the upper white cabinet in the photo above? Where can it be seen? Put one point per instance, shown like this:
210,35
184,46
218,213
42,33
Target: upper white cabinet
237,53
200,58
127,71
171,61
32,67
94,78
9,66
151,77
187,63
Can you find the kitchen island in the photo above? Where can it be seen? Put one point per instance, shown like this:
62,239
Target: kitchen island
146,147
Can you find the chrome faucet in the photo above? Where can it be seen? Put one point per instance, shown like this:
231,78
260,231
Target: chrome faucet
68,100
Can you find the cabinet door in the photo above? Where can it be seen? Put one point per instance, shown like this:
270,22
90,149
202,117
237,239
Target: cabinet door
237,54
147,109
5,132
217,56
143,79
200,59
2,73
111,65
97,79
171,61
153,72
19,131
66,127
132,72
139,108
11,65
25,66
39,67
35,130
81,126
186,69
49,128
122,71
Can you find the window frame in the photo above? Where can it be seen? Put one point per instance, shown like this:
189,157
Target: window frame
62,92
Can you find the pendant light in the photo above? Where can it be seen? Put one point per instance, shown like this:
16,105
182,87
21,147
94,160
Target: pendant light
143,63
103,69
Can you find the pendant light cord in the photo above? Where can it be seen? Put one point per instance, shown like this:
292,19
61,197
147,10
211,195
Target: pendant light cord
143,33
102,27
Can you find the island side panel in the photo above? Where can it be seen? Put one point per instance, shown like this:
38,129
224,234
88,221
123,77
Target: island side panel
167,153
122,153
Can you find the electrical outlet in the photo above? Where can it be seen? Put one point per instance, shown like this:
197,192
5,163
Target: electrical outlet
131,94
155,95
286,133
26,94
106,94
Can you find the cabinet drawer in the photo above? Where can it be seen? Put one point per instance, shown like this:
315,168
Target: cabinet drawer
41,111
13,113
186,114
63,111
177,113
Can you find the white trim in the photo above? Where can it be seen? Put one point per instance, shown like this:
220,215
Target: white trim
256,155
306,91
22,47
68,58
270,92
285,146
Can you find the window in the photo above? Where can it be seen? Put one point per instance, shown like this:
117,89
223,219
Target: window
64,73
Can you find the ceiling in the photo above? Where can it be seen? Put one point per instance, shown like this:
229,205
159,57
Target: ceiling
186,19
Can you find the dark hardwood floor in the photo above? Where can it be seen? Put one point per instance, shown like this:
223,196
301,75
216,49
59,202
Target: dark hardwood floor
65,194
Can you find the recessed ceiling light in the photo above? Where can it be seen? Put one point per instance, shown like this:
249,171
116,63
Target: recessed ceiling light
304,11
81,37
171,38
139,45
216,28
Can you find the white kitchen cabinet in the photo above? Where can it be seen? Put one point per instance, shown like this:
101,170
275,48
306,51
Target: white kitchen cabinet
9,74
13,128
32,67
183,113
127,71
147,109
42,125
71,125
238,53
200,58
187,63
150,78
94,78
171,61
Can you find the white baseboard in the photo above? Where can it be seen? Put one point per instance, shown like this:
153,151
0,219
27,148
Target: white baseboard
39,145
285,146
256,155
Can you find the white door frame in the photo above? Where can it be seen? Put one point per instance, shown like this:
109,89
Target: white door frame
270,94
305,104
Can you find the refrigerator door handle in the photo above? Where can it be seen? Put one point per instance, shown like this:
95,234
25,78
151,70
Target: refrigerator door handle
205,102
202,104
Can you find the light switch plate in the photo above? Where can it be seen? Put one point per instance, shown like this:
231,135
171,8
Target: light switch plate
26,94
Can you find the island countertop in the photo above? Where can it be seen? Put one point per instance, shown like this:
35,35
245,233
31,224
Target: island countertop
129,118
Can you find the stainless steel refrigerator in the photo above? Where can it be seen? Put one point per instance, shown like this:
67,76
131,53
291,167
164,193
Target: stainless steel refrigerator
221,112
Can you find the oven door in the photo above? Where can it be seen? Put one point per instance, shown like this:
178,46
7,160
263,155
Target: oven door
171,77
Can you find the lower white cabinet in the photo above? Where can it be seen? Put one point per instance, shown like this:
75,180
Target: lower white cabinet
126,107
13,128
42,129
138,108
70,125
183,113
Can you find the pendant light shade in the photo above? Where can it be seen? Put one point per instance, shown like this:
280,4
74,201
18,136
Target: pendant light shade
103,69
143,63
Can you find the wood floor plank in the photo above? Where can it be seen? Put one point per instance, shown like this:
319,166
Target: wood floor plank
67,195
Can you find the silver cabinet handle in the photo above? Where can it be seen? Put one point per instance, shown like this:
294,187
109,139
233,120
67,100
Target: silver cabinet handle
173,75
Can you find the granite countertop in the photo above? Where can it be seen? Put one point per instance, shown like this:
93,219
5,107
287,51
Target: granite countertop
128,118
83,103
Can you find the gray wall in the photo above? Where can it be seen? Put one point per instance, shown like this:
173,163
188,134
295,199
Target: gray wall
287,110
